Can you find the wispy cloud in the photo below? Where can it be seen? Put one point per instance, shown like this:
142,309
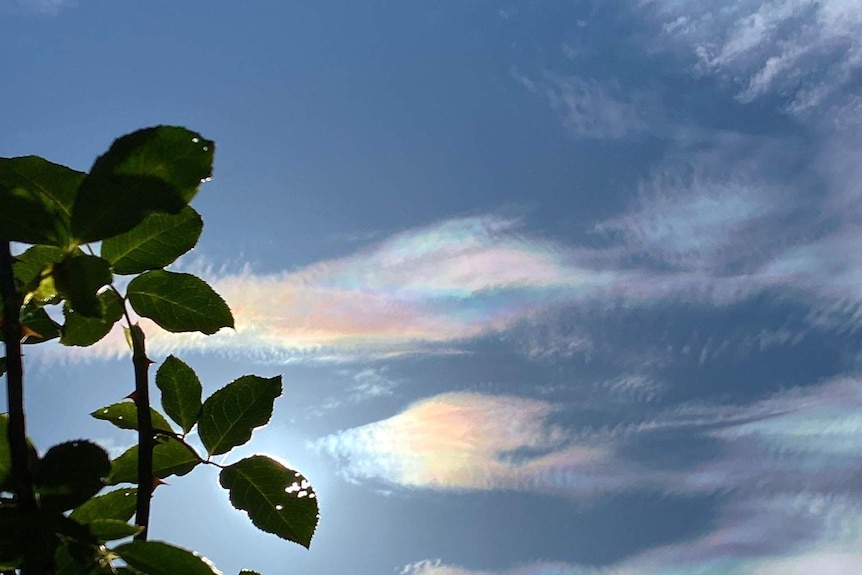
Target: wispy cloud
590,109
790,535
807,51
49,7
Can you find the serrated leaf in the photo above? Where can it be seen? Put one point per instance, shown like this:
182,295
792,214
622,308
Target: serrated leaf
159,558
37,325
80,330
36,196
181,392
229,416
178,302
112,529
170,457
125,416
278,500
156,169
79,278
154,243
69,474
118,504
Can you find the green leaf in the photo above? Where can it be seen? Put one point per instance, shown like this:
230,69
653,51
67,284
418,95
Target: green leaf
36,196
84,331
181,392
71,562
125,416
158,558
171,457
154,243
79,278
178,302
118,504
33,534
278,500
230,414
38,325
69,474
111,529
77,558
34,266
152,170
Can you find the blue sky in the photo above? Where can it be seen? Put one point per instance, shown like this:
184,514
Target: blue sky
556,288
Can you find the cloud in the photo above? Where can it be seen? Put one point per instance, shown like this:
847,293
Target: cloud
796,535
460,441
437,567
692,221
419,290
801,440
714,224
590,109
430,289
49,7
808,52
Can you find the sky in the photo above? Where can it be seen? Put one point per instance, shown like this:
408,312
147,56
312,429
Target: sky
556,287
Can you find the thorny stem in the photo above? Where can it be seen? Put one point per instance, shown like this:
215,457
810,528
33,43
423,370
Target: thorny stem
146,435
22,478
141,364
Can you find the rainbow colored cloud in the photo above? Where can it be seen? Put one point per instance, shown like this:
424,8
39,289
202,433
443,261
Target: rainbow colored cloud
463,441
418,290
474,441
426,290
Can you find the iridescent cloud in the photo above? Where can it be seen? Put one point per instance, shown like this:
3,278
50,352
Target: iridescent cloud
794,441
463,441
427,290
419,289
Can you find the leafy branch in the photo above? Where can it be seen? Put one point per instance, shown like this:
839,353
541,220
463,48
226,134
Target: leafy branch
134,202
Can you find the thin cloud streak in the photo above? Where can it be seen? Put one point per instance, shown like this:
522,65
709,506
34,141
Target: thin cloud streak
796,535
